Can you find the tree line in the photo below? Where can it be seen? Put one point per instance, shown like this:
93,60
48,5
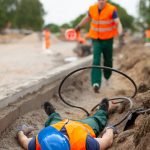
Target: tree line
28,14
21,14
144,12
128,21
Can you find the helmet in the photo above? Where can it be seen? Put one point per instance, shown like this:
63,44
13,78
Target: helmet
51,139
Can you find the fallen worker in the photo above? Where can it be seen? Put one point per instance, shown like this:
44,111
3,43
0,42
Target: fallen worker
67,134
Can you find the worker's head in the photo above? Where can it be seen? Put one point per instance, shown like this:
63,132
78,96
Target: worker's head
101,3
51,139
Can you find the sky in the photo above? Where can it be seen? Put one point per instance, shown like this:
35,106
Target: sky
63,11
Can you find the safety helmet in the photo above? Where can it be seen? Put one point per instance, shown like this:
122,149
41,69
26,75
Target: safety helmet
51,139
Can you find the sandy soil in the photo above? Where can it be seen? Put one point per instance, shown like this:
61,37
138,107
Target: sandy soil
133,60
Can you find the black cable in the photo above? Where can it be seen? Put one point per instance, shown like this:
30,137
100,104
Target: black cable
90,67
126,115
116,98
143,111
129,111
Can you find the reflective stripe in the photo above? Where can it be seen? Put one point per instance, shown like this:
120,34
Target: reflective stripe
102,22
103,29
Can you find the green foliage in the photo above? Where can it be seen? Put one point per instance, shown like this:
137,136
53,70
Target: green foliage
7,11
53,28
78,19
65,26
2,18
29,14
26,14
144,11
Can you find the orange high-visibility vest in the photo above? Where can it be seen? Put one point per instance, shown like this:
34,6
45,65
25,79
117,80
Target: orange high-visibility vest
102,24
38,147
77,133
147,34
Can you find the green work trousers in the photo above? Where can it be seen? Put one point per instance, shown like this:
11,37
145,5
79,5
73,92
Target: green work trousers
147,39
104,47
97,122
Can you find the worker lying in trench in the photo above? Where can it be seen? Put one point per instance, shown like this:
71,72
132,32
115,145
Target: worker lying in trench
67,134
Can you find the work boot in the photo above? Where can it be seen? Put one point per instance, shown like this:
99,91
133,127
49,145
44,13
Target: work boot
104,104
48,107
96,87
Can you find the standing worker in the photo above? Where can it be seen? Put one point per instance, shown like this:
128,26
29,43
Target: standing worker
46,39
105,25
67,134
147,37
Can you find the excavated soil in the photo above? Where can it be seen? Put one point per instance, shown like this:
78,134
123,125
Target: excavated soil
132,60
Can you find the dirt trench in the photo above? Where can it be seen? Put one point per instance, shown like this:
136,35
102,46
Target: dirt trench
80,93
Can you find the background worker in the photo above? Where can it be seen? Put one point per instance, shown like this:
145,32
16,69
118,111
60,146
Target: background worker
47,42
105,25
147,37
67,134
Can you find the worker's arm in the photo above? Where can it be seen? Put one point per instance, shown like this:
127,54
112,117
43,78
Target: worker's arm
23,140
106,140
22,132
119,26
83,21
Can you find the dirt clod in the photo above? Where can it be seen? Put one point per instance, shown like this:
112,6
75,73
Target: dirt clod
124,135
142,132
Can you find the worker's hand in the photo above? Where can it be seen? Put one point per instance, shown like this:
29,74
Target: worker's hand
25,129
115,131
77,28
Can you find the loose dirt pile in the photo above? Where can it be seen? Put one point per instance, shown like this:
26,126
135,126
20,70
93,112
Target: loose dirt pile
135,62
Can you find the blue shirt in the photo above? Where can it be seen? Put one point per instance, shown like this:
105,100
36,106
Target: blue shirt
91,144
114,15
